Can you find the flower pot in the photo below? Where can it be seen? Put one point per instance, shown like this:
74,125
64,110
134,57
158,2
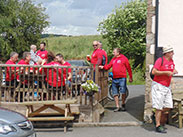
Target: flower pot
91,93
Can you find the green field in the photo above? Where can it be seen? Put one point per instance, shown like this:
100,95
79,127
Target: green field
77,47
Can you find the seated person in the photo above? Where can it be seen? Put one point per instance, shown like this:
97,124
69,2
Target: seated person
25,61
10,73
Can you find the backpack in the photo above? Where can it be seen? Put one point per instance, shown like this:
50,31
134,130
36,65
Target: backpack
103,60
151,75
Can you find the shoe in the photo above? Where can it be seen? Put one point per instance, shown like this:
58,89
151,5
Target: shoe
117,109
153,119
160,129
123,107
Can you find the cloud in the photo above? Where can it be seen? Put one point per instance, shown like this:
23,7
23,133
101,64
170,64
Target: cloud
77,17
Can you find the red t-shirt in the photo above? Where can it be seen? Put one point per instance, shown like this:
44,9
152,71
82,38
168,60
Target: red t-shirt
8,78
166,66
119,66
43,54
53,81
22,62
65,70
96,57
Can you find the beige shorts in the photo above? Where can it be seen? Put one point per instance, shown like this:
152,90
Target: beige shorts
161,96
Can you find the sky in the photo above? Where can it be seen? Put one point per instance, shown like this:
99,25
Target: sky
77,17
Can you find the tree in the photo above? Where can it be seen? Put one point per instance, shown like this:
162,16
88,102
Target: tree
21,24
125,28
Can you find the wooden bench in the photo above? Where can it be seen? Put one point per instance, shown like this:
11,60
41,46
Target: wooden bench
61,115
177,111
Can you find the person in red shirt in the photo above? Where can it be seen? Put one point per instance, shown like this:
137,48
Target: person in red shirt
42,52
55,81
96,57
161,91
10,73
24,61
119,64
60,59
66,72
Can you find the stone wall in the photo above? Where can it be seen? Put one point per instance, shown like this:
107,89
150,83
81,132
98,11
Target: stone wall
150,42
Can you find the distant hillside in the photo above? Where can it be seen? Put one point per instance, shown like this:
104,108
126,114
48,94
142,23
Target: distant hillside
53,35
75,47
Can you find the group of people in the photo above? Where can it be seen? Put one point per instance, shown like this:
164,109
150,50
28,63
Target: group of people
163,70
120,65
40,57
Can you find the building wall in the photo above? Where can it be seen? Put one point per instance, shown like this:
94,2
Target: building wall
170,29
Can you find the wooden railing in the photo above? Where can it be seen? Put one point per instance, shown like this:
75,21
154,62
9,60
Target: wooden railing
28,83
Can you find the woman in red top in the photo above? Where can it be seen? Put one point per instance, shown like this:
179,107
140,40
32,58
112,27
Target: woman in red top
52,80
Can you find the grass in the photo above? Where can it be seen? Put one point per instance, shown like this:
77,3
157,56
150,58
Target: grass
77,47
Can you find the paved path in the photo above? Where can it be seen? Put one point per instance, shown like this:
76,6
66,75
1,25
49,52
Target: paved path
134,105
130,131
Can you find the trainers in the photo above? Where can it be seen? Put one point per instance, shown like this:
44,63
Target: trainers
117,109
160,129
123,107
153,119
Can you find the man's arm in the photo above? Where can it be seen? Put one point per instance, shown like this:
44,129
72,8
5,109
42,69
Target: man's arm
158,73
107,67
128,67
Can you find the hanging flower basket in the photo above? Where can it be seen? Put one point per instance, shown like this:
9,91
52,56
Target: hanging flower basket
90,88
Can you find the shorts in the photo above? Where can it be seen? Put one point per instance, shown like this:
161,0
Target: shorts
161,96
118,86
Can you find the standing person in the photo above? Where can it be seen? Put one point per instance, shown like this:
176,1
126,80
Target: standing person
42,52
10,76
96,57
34,57
119,64
161,91
103,52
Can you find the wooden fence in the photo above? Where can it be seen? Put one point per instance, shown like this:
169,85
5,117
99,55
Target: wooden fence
28,83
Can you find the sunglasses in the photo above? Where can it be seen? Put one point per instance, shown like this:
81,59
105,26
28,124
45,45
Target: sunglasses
94,45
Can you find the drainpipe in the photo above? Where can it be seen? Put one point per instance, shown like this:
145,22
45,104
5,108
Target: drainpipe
156,28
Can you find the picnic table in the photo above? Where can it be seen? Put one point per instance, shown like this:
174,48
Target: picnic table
36,109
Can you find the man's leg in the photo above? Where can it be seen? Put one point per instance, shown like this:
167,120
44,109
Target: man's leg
158,117
122,86
116,99
115,94
159,128
123,98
